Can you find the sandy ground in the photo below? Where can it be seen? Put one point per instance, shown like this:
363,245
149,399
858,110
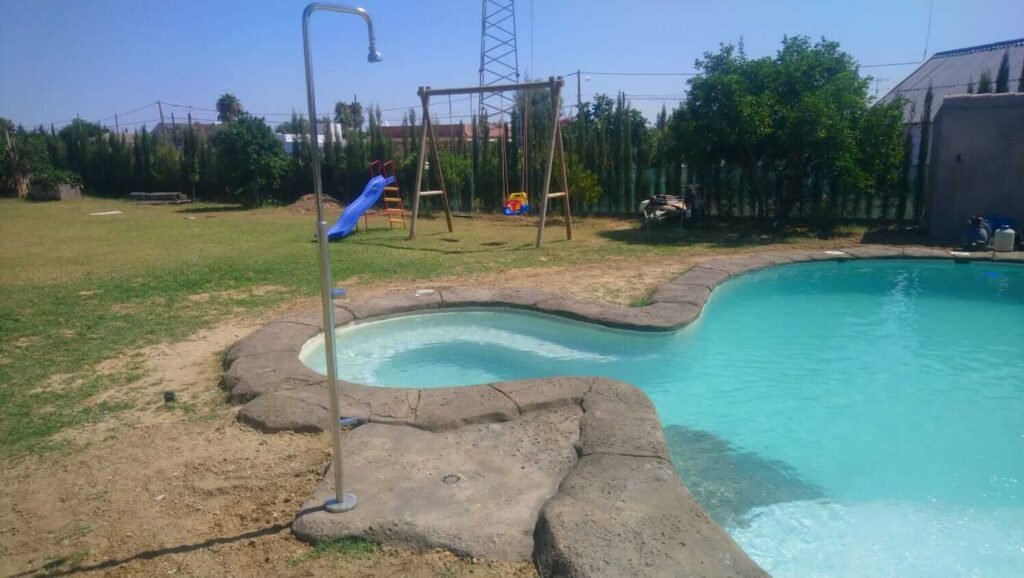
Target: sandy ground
189,491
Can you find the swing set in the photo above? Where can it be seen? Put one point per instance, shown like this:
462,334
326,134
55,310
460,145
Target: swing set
554,86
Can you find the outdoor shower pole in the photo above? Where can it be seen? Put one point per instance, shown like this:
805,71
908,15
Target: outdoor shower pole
341,502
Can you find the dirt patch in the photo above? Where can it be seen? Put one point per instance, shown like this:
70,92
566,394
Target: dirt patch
183,488
306,205
237,294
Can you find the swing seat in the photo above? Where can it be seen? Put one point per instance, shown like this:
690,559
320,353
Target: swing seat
517,204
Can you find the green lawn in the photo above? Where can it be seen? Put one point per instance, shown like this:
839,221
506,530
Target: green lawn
77,289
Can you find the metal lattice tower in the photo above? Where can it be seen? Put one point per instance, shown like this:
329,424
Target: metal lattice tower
499,56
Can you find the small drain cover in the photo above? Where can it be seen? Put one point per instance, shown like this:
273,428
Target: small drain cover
451,479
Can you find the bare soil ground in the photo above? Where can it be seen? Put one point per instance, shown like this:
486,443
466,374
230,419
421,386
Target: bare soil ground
186,490
306,205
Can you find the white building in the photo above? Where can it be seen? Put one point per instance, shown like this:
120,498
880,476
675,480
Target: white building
288,140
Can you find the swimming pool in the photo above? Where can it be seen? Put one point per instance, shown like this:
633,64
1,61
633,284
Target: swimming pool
841,419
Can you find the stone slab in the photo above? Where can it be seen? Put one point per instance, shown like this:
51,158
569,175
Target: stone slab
545,393
704,277
678,292
620,516
277,336
737,264
314,317
502,474
452,407
1009,257
254,375
485,296
926,253
611,425
874,252
392,303
831,255
302,410
656,317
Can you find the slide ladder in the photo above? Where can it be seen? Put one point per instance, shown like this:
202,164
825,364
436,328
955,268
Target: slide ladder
393,210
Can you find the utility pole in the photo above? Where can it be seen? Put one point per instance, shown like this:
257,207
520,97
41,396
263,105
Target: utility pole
117,127
579,94
174,131
160,106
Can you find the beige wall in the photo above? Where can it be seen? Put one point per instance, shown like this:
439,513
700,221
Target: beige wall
977,162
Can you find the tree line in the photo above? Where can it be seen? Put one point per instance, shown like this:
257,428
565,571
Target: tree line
792,135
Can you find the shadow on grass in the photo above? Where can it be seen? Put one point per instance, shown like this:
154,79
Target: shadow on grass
719,234
224,209
57,567
418,245
422,249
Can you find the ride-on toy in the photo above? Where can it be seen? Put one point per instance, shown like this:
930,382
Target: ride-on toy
517,204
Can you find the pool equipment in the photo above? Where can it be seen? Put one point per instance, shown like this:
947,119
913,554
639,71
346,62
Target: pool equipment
1003,239
978,234
341,502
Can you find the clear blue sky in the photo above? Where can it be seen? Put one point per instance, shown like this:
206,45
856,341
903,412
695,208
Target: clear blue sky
59,58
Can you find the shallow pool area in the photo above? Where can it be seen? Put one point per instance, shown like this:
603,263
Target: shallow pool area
837,418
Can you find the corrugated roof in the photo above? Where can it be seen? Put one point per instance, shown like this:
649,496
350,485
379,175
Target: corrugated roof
949,72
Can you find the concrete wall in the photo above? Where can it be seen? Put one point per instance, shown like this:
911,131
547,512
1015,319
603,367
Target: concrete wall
977,162
61,193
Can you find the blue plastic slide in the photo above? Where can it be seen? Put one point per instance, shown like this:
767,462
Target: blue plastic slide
350,218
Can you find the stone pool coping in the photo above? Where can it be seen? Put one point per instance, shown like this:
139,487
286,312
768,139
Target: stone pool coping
583,529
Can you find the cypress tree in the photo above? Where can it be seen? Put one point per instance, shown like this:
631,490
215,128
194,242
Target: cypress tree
904,178
922,154
1003,74
1020,81
970,86
985,82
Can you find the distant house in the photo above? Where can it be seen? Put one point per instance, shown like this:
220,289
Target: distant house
444,133
288,140
949,73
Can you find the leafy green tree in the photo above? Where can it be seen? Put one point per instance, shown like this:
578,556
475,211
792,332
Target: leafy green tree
880,148
229,108
985,82
1003,74
297,124
729,114
586,190
349,115
251,157
25,156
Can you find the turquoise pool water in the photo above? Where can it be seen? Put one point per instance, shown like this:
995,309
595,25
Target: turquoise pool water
838,419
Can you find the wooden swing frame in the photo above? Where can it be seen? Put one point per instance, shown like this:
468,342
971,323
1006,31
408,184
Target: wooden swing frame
552,84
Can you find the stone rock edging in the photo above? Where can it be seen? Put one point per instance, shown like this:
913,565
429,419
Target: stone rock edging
266,363
621,510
